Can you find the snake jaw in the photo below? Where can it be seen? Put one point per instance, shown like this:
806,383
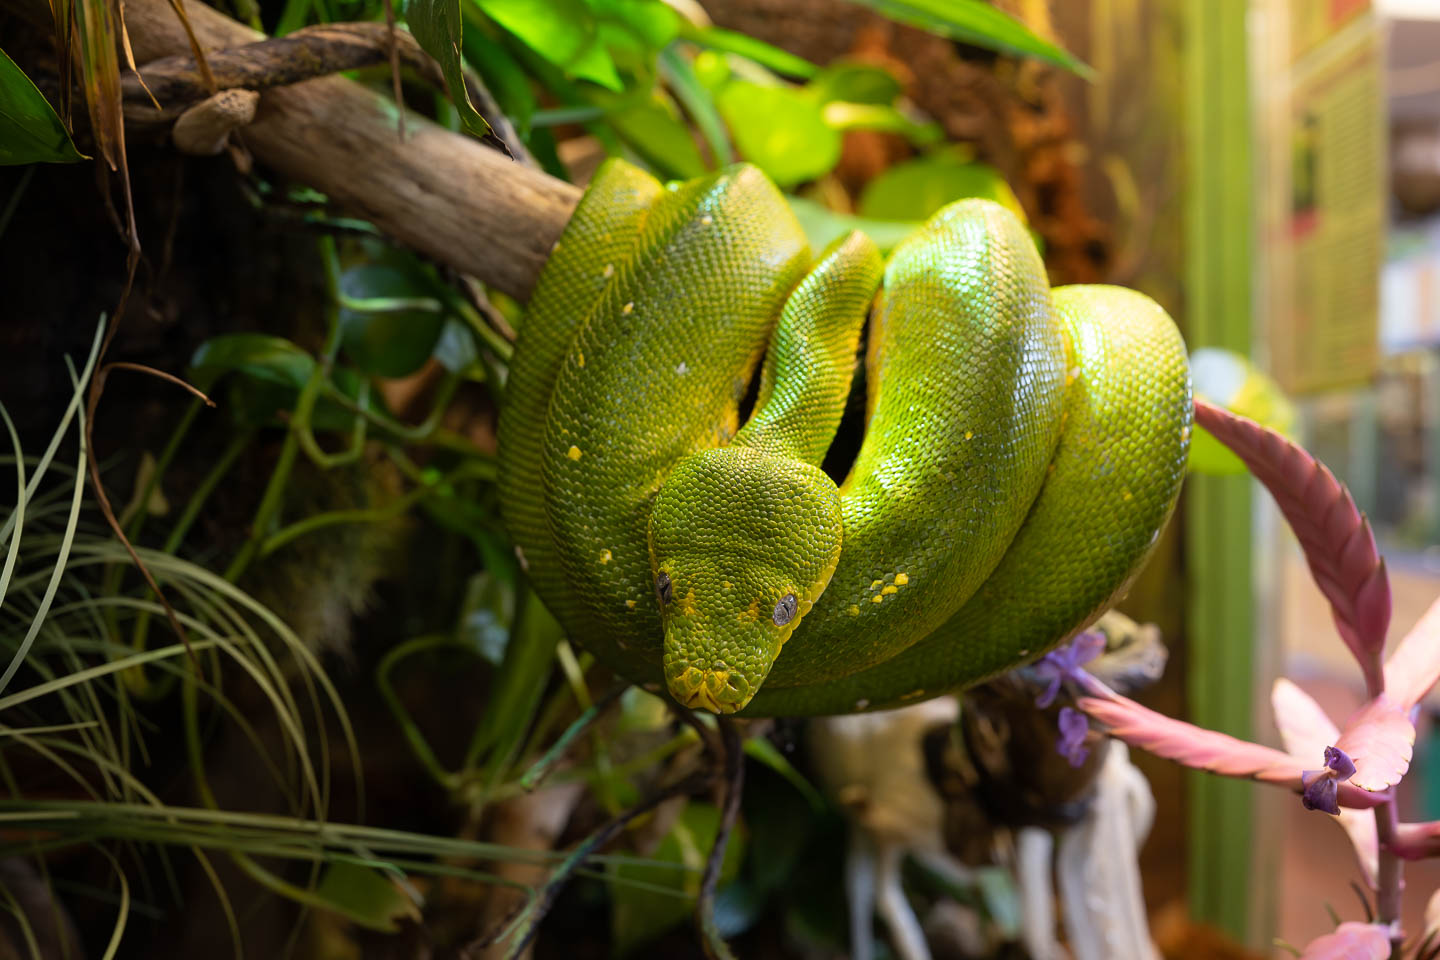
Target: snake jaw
718,691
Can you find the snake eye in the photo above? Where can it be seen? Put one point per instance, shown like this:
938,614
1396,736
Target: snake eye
662,587
785,610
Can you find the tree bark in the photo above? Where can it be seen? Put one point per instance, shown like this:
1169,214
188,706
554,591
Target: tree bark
444,194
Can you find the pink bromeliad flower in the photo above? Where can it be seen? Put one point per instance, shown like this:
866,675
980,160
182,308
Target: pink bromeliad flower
1348,771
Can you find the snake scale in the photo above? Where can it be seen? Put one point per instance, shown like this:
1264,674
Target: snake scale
1023,447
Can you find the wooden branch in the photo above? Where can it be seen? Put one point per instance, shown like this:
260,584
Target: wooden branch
444,194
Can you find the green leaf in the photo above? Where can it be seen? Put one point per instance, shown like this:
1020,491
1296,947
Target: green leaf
780,130
263,357
654,129
915,189
976,22
387,329
1229,380
638,915
271,371
854,82
564,32
30,130
886,119
824,226
650,22
440,30
367,897
728,41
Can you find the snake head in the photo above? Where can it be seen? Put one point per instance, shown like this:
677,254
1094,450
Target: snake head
742,543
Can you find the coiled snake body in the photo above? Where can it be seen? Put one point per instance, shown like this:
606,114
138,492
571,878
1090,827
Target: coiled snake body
1023,448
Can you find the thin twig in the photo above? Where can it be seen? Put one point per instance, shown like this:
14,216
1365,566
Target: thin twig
541,768
395,66
710,938
532,917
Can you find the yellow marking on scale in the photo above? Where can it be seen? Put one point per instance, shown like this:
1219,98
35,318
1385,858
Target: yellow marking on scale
707,220
969,435
605,556
889,590
629,604
854,610
687,606
876,584
752,612
628,309
580,358
901,579
574,453
726,584
878,598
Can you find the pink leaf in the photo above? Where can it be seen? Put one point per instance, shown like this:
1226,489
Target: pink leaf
1351,941
1306,731
1379,738
1203,749
1414,667
1334,534
1416,841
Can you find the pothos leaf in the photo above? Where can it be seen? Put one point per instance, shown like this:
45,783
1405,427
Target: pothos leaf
564,32
30,130
439,28
780,130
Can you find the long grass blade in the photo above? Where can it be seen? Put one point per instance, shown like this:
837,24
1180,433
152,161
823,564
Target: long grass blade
59,568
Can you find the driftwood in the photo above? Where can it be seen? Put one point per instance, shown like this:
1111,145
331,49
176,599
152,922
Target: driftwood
446,195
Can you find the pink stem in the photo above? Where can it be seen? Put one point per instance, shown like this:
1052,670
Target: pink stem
1390,874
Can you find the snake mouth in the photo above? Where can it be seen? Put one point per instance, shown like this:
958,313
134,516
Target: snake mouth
718,691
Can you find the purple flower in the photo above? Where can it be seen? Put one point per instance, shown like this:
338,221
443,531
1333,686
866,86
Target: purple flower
1320,792
1322,786
1074,725
1053,668
1337,761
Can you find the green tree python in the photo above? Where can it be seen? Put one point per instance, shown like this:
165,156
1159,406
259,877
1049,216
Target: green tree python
1023,447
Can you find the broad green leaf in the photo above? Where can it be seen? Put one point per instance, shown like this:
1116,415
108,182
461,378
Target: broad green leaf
728,41
30,130
638,915
978,23
854,82
651,23
263,357
712,70
1229,380
780,130
886,119
824,226
396,333
564,32
440,30
271,371
915,189
367,897
654,129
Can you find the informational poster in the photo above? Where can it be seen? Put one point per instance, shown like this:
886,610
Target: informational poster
1328,240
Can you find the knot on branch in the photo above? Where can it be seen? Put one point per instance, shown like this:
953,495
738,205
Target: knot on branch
204,129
